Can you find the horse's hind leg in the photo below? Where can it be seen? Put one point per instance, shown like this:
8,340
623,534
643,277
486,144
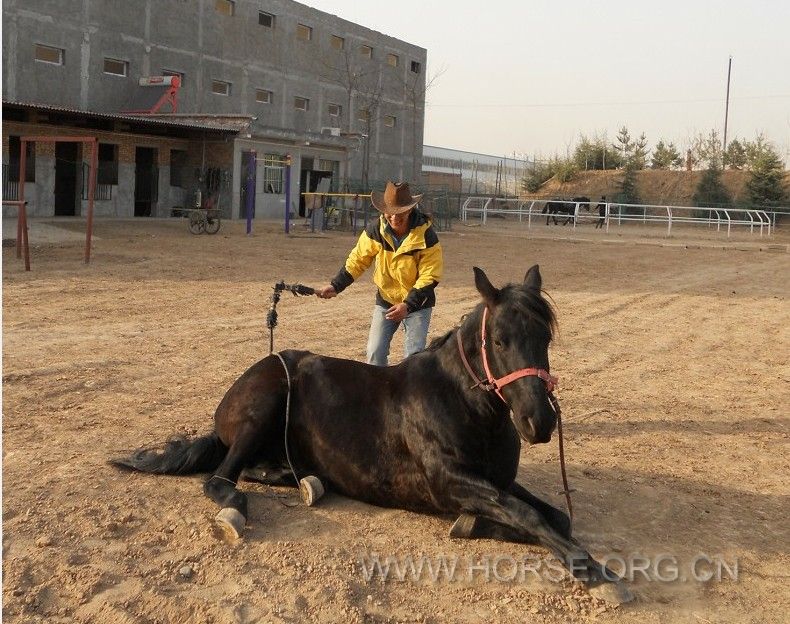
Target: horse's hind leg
221,486
248,421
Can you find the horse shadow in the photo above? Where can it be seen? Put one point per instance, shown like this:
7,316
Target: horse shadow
615,510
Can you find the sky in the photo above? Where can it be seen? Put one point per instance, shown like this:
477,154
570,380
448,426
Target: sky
530,76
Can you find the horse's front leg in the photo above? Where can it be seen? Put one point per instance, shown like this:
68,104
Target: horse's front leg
556,518
466,494
477,527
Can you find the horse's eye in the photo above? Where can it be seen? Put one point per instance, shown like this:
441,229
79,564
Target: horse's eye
498,344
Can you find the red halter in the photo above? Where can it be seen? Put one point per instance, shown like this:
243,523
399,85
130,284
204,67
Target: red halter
496,384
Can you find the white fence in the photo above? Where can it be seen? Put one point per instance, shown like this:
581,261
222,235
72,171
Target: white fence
528,210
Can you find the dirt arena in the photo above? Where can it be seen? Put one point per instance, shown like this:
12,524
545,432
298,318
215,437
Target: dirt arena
674,364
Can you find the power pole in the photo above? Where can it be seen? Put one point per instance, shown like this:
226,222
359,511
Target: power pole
727,108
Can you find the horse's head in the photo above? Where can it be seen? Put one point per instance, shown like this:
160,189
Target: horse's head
518,324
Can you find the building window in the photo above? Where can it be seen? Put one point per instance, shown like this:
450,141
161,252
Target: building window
219,87
415,67
301,103
389,121
335,110
225,7
262,96
265,19
108,164
305,33
115,67
366,51
14,148
173,72
363,114
273,166
338,43
392,60
48,54
178,168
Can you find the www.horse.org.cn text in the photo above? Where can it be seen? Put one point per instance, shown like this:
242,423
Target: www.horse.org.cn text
500,568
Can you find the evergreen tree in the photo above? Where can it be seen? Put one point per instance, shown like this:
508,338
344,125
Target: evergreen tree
624,145
562,168
766,183
735,156
665,156
584,155
595,154
628,191
757,150
711,192
639,149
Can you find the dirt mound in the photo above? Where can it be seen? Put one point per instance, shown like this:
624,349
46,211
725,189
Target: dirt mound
654,186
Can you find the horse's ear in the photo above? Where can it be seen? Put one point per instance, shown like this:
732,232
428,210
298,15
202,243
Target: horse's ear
533,279
486,289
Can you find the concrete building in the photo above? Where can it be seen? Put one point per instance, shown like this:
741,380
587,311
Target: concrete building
267,78
471,173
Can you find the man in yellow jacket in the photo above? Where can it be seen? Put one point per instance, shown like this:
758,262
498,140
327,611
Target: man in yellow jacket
408,258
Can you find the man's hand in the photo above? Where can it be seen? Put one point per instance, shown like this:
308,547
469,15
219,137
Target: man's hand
397,312
327,292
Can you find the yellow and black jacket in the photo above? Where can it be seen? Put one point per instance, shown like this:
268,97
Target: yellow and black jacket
407,273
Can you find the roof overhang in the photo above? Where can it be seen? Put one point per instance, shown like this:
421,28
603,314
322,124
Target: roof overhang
225,124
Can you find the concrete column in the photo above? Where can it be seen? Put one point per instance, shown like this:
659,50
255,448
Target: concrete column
41,195
163,205
125,189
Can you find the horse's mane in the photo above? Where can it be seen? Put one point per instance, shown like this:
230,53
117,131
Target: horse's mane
438,342
535,305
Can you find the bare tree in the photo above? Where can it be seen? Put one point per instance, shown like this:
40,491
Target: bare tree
369,95
344,69
415,89
707,148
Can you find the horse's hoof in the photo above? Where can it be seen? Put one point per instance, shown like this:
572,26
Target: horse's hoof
464,527
231,521
310,489
612,593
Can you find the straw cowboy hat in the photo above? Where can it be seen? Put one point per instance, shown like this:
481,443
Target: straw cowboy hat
395,199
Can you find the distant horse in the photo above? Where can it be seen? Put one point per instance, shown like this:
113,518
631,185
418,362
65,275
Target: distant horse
556,207
425,435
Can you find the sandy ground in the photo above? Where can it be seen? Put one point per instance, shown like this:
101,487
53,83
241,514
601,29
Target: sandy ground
675,382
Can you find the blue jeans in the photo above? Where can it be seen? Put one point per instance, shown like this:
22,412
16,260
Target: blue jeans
382,330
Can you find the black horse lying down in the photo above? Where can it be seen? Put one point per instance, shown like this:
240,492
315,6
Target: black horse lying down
421,435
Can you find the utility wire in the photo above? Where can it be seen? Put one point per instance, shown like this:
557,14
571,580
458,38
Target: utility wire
572,104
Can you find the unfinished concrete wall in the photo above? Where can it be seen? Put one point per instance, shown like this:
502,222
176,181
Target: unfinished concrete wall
204,45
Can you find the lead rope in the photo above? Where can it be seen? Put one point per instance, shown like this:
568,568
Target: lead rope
271,316
271,323
555,405
287,415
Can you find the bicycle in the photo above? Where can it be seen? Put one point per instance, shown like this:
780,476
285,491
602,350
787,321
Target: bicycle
204,220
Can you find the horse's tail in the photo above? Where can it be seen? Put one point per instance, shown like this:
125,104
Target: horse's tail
179,457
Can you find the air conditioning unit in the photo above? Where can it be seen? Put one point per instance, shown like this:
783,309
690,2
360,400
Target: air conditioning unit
330,131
